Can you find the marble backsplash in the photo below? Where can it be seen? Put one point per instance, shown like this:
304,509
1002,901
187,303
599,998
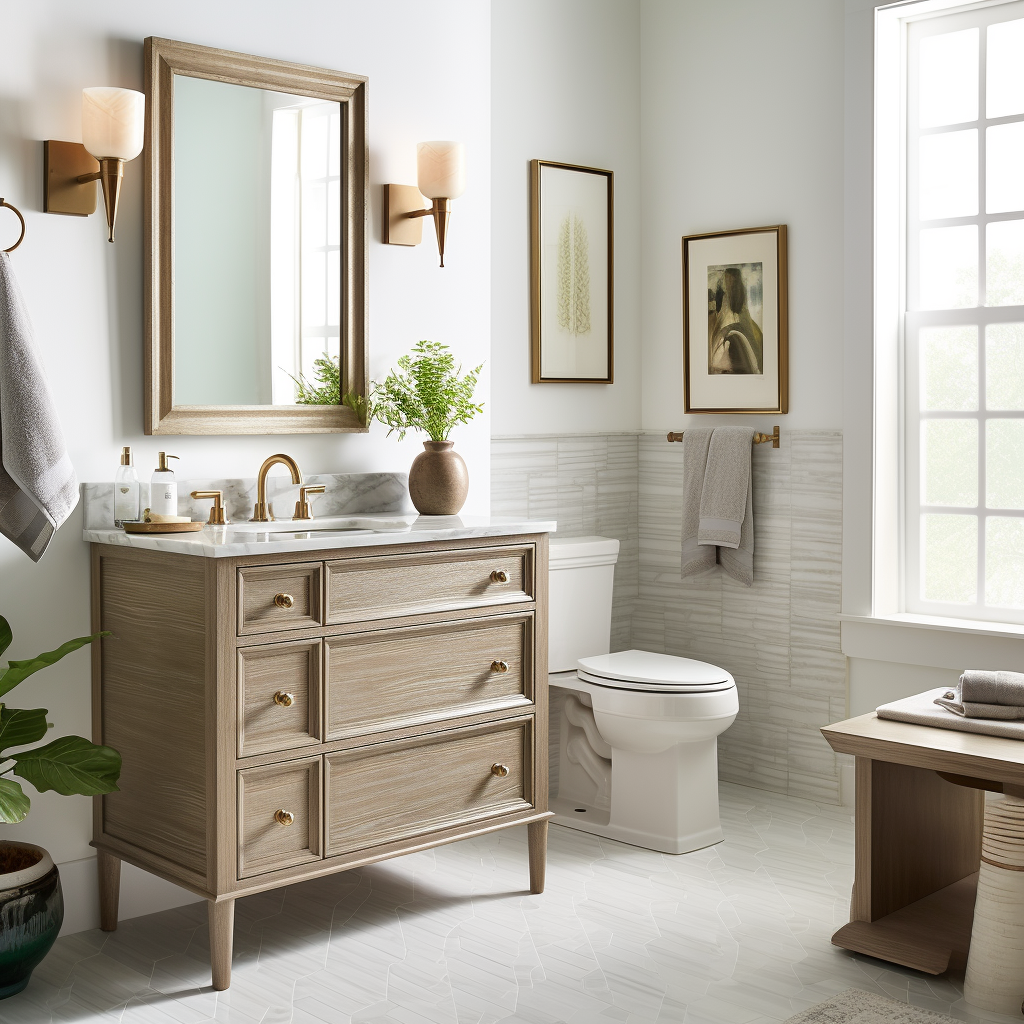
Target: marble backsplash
345,494
779,639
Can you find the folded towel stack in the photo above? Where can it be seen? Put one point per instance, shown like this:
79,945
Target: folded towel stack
981,694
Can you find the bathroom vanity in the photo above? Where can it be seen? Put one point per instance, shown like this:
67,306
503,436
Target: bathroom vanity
291,705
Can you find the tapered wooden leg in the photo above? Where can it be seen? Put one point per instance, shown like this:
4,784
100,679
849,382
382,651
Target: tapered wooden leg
108,869
538,841
222,931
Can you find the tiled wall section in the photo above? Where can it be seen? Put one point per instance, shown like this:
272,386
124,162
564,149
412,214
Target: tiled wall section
590,484
780,639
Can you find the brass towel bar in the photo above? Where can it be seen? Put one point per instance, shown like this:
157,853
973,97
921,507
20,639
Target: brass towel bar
17,212
677,435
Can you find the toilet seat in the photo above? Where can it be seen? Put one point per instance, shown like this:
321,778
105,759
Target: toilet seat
648,672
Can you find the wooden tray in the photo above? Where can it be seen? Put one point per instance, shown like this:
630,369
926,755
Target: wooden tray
162,527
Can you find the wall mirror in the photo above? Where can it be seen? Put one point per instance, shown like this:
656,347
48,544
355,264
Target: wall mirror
256,185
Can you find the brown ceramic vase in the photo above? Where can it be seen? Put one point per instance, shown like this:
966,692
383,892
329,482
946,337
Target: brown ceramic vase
438,480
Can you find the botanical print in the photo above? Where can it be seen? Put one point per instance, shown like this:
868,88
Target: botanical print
736,319
573,276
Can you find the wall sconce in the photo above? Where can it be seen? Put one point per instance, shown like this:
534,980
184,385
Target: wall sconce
113,131
440,177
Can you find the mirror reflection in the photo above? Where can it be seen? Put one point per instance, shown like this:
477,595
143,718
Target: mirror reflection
257,245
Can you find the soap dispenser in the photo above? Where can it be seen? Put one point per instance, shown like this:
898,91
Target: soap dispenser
126,491
163,490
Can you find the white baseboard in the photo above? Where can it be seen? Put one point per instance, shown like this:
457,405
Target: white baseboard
141,893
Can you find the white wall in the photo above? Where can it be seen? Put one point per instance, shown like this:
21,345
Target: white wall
86,296
742,126
565,81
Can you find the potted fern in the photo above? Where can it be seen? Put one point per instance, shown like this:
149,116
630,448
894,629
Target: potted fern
31,901
429,393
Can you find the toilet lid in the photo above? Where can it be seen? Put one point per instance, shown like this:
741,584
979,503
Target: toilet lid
644,670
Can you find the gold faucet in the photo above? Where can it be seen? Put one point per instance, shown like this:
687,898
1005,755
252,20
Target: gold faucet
260,513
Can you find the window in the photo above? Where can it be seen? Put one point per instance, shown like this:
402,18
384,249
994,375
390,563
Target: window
963,314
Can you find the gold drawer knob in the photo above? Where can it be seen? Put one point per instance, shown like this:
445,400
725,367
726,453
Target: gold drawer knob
284,600
499,666
499,576
501,770
284,699
283,817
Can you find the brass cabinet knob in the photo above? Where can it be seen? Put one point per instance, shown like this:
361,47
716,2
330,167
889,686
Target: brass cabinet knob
501,770
499,666
499,576
284,600
283,817
284,699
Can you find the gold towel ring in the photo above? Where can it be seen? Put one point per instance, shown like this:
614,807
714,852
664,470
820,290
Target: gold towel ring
3,202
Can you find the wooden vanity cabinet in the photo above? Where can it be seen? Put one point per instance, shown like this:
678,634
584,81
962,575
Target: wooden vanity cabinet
289,715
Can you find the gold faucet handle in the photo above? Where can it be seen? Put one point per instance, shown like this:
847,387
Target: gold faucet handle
302,505
217,517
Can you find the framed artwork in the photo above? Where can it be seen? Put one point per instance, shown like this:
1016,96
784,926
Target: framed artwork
571,259
735,321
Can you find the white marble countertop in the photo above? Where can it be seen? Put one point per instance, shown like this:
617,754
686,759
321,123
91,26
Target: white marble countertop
227,542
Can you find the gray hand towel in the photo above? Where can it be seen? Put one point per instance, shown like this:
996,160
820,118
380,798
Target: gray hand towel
725,499
696,559
38,488
1000,712
980,687
921,710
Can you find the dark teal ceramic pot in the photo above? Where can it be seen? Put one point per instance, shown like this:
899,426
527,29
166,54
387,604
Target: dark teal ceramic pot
31,913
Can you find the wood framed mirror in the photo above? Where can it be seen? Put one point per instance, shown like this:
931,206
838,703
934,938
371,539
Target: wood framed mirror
255,244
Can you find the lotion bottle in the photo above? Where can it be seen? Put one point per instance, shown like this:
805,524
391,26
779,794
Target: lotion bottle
163,490
126,491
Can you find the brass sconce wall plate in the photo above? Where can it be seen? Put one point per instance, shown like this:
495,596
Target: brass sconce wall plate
403,215
63,162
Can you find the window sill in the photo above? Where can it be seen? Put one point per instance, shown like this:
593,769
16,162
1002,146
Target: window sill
934,641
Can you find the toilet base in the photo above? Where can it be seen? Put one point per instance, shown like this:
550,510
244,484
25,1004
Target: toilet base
597,823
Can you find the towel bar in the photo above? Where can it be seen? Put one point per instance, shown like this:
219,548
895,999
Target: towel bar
677,435
3,202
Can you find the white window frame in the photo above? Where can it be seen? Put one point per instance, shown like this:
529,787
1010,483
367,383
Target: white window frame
897,507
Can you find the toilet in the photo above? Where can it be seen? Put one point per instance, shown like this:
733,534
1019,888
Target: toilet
637,756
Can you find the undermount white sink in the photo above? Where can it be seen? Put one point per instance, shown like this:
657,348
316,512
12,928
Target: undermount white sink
332,524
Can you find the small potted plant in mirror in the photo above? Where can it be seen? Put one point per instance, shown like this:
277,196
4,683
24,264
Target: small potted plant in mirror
31,901
428,392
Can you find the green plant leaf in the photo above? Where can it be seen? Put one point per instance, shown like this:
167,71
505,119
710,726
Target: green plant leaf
70,765
18,671
19,727
14,804
6,636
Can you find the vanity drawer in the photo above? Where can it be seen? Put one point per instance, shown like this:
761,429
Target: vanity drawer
395,791
278,697
410,676
278,816
272,597
359,589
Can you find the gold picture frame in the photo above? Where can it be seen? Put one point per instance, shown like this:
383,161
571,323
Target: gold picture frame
737,359
571,229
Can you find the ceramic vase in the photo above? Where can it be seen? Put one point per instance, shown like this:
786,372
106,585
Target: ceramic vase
438,480
31,912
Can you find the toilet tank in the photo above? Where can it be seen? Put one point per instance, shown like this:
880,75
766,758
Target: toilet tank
580,575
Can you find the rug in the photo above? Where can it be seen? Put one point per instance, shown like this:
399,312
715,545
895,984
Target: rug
856,1007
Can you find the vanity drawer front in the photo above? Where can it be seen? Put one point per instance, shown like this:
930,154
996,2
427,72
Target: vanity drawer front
278,697
272,597
279,820
395,791
410,676
359,589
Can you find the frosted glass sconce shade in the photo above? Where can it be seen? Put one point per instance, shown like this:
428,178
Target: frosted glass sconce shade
113,122
441,169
